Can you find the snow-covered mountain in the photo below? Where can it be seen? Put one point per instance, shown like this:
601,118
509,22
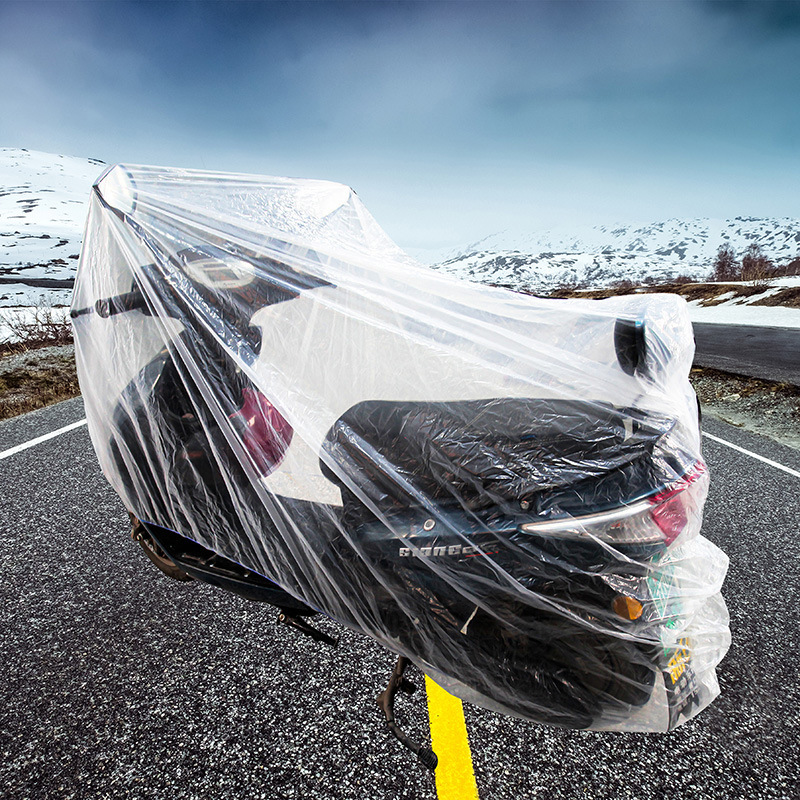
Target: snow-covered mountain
604,255
43,202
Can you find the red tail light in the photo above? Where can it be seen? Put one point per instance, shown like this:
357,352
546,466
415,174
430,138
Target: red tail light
265,434
671,506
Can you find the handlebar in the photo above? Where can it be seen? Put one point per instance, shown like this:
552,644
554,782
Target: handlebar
119,304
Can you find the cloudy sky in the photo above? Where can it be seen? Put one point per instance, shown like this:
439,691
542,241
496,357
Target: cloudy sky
451,120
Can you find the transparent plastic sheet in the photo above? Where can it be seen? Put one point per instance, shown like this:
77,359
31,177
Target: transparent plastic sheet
506,489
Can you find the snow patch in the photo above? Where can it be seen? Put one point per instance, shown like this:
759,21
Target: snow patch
43,203
769,316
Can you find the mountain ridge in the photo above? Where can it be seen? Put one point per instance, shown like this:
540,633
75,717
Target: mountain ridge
44,197
603,255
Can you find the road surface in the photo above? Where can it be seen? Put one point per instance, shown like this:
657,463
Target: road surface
760,352
117,682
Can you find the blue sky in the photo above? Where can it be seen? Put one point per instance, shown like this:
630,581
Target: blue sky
451,120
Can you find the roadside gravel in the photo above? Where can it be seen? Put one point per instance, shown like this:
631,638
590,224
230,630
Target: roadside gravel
765,407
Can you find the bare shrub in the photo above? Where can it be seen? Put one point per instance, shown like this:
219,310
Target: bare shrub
787,270
624,284
726,267
37,326
756,267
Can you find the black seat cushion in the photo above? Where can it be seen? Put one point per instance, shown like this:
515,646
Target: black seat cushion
555,454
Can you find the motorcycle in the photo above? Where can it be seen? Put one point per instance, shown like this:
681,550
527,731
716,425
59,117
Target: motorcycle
503,490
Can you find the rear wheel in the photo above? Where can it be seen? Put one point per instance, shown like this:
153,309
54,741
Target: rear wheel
613,671
155,553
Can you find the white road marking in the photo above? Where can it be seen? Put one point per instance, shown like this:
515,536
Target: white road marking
71,427
39,439
752,454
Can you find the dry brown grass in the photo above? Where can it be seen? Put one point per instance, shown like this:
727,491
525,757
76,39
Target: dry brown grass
564,293
711,293
717,384
785,297
37,368
36,378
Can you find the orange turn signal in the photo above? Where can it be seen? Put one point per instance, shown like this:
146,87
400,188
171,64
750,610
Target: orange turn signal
627,607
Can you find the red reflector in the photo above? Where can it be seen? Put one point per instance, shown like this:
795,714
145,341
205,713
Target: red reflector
264,432
669,510
671,517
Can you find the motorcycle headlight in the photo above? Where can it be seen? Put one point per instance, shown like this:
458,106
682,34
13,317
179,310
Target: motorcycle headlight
220,275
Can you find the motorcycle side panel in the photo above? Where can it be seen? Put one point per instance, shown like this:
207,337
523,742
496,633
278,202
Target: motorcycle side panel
506,489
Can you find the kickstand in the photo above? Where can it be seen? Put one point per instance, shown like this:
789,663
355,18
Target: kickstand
299,624
386,702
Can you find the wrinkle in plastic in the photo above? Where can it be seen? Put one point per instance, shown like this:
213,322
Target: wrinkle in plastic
506,489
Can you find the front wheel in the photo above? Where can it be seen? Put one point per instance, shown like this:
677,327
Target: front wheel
155,553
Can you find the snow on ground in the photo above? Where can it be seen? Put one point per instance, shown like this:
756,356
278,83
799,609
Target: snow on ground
13,295
734,310
43,202
604,256
692,243
769,316
545,272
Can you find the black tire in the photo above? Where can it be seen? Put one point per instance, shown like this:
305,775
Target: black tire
155,553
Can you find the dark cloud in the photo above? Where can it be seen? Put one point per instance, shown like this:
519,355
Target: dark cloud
779,18
624,108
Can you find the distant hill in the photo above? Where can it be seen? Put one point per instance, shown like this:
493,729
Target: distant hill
44,197
604,255
43,202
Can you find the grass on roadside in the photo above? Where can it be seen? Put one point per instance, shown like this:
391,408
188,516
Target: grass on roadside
713,384
36,378
37,364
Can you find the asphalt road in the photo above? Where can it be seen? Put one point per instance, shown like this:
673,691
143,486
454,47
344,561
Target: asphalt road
761,352
119,683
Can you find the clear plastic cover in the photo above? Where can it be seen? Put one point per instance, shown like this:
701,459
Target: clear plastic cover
506,489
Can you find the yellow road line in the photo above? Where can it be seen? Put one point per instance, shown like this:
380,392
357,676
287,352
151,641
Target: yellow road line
455,778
